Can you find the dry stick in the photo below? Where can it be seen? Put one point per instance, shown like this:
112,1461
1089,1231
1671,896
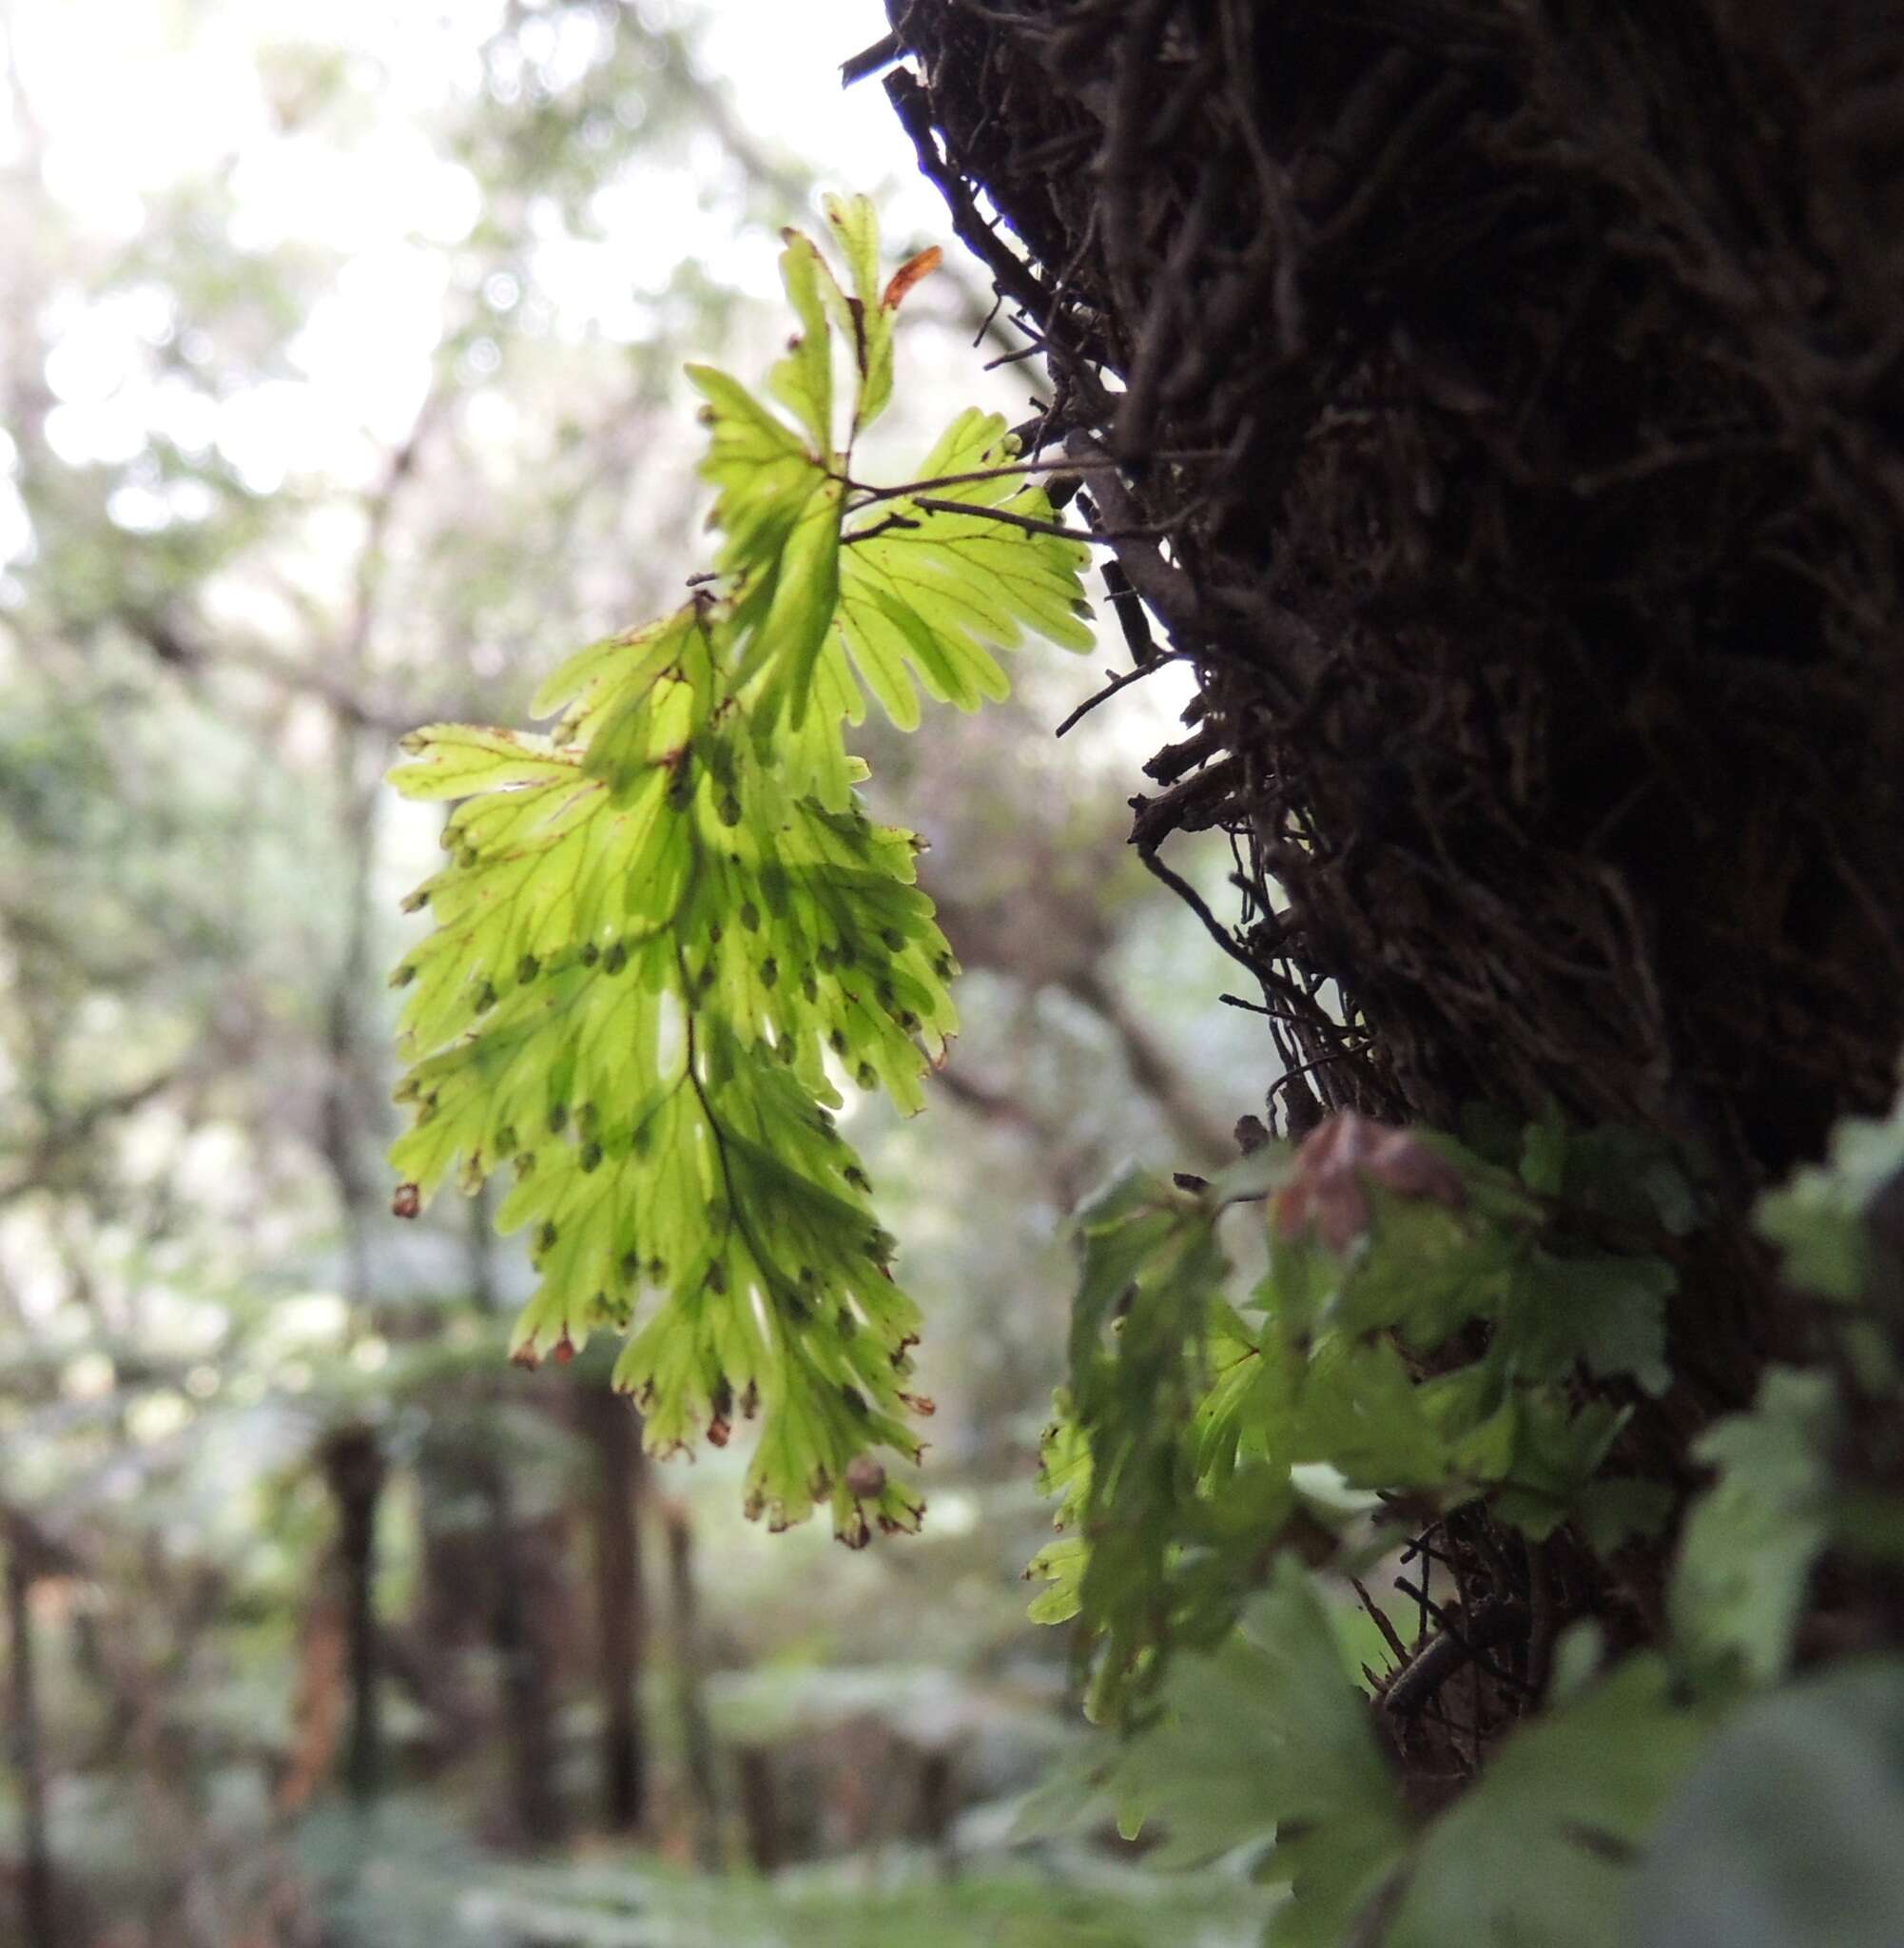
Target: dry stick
1472,1637
1390,1634
1028,523
991,319
1115,683
1006,470
884,526
871,61
1257,1007
913,107
1314,1063
1196,902
1164,587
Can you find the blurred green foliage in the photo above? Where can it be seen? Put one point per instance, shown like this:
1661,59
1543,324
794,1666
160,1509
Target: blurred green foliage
1607,1811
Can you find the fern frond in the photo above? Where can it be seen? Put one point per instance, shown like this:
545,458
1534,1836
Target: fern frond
668,927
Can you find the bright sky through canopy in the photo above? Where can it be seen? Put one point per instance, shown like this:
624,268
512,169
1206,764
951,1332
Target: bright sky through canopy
132,102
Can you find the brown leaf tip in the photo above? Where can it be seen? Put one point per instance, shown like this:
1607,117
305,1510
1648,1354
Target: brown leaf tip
908,274
1340,1160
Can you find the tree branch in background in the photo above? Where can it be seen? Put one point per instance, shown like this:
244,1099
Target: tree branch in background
175,643
1204,1138
1039,935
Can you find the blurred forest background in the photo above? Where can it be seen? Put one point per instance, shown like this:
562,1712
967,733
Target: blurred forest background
339,354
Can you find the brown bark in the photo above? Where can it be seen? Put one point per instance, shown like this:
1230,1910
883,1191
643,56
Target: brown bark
1498,406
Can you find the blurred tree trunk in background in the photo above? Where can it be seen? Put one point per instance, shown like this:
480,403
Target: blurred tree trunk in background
354,1468
613,1430
37,1921
699,1764
519,1634
936,1805
759,1808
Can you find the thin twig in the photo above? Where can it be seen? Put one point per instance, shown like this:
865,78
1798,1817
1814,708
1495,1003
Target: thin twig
884,526
1197,904
1257,1007
1028,523
1118,681
871,61
1380,1617
1496,1623
1005,469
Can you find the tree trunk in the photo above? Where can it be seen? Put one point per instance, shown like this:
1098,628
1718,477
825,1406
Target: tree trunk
355,1468
527,1694
38,1922
621,1611
759,1808
936,1807
697,1736
1498,406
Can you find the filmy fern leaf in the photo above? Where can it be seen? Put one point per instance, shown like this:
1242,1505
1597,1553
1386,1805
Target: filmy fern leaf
667,927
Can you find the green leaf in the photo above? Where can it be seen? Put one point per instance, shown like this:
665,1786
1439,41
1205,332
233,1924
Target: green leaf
453,760
1607,1313
1753,1538
1786,1834
804,601
1267,1741
633,998
1423,1271
906,597
761,472
927,596
1622,1509
1820,1217
609,678
1627,1175
1536,1853
866,322
802,382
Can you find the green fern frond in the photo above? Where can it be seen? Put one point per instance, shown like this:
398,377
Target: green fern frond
667,928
